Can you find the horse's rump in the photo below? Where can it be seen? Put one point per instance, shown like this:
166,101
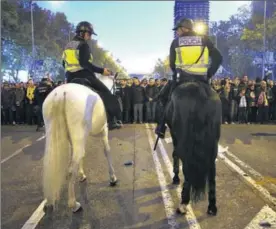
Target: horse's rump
195,123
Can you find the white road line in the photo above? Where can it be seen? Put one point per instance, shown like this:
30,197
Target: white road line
266,215
19,151
190,216
35,217
168,140
263,191
40,138
167,198
248,168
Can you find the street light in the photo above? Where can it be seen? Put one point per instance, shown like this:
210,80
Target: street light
32,25
200,28
264,41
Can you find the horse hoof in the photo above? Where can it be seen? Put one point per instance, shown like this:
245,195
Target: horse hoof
113,183
212,210
77,208
176,180
182,209
48,209
83,178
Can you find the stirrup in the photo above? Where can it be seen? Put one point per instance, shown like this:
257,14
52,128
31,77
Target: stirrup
160,131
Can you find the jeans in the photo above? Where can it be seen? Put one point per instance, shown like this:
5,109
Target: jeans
138,111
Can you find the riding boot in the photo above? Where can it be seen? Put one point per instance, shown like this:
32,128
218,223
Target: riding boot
164,97
161,128
113,110
113,123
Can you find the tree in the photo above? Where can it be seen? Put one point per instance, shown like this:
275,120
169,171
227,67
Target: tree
52,31
254,36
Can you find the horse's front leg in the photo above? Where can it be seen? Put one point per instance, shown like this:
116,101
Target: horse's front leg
82,176
176,179
113,179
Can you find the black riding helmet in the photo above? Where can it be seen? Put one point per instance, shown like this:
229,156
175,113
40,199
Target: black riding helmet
85,26
185,23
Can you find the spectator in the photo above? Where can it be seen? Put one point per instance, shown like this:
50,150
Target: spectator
242,111
151,92
138,99
19,103
29,102
125,94
262,104
233,100
251,99
7,101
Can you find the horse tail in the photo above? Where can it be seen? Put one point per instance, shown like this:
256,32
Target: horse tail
57,150
193,123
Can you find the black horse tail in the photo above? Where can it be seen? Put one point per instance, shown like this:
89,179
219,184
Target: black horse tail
193,125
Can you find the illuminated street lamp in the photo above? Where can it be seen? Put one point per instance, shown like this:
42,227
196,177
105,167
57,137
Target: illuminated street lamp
200,28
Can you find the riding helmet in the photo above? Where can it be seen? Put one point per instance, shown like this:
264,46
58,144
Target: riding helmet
85,26
185,23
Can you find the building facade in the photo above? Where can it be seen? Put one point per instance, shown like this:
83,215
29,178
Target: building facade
258,8
195,10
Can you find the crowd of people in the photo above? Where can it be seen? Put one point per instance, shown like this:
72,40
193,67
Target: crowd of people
243,100
18,102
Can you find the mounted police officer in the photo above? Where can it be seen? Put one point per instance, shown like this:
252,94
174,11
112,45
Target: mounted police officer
77,61
189,61
40,94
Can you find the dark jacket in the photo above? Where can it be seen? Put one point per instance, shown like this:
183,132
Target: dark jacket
125,94
151,92
138,94
41,93
7,98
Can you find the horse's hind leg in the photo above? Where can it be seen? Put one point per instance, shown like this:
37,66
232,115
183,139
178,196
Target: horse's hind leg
185,194
212,208
82,176
113,178
77,156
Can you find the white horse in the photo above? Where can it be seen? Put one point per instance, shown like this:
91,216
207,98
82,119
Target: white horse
71,111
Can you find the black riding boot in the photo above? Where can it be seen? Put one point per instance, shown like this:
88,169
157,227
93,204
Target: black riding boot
113,123
164,97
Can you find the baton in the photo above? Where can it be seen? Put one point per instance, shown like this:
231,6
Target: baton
155,145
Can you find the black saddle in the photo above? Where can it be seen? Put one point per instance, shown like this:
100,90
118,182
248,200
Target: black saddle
84,82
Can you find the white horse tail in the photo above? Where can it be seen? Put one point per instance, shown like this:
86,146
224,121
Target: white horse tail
57,150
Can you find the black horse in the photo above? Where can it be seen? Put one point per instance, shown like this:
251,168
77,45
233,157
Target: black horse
194,118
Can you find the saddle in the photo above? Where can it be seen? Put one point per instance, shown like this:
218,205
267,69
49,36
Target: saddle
84,82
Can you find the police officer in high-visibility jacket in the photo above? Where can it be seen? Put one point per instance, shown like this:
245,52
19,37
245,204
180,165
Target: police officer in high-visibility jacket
77,61
189,61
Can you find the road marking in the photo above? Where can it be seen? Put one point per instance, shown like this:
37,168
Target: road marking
168,140
247,167
167,198
19,151
266,215
35,217
40,138
263,191
190,216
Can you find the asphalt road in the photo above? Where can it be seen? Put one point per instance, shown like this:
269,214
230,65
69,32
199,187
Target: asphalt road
144,197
